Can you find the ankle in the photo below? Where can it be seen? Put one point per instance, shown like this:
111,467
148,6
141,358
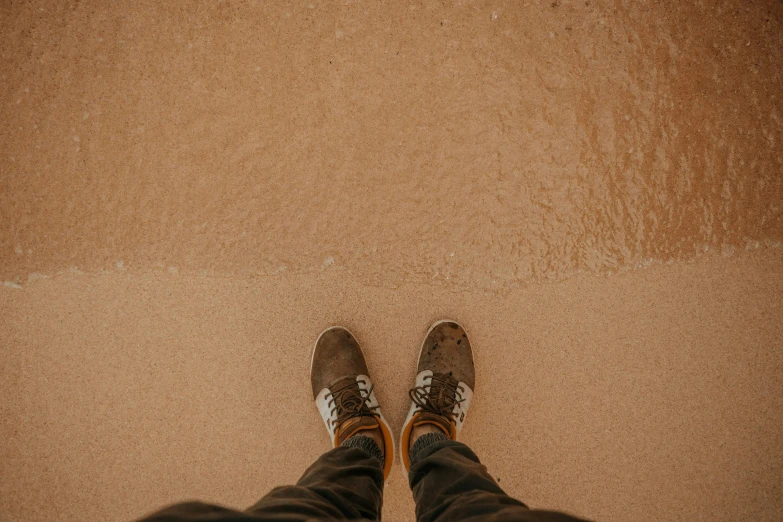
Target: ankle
423,429
375,434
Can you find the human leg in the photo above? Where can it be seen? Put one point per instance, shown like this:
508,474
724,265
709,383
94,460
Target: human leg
346,483
448,481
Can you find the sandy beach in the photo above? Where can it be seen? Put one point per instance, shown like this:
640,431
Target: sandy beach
191,192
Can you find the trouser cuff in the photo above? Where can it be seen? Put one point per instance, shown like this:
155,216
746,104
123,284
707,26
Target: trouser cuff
424,441
365,443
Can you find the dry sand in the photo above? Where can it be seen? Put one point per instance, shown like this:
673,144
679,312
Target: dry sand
649,395
191,192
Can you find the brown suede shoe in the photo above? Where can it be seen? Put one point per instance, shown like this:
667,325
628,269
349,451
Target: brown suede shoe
444,384
344,393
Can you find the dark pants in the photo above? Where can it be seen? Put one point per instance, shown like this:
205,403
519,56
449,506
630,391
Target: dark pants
447,479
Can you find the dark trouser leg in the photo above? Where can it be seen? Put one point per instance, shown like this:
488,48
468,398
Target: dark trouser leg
345,483
450,484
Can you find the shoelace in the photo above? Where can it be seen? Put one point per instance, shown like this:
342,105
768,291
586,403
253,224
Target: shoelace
445,392
350,401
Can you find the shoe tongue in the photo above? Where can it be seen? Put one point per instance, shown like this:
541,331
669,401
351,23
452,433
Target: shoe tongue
442,396
354,425
439,421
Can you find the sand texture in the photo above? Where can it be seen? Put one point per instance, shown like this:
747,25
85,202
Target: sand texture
191,191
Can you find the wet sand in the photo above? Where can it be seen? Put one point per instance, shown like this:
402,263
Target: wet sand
475,145
190,193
